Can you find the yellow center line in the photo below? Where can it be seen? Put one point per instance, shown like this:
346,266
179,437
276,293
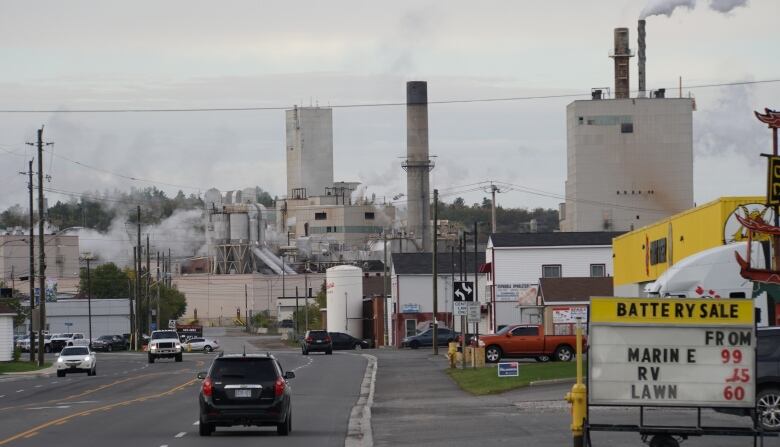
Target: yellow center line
33,431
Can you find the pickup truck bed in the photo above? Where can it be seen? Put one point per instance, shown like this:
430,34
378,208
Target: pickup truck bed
528,341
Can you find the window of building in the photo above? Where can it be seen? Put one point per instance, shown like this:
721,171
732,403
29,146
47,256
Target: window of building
320,216
370,216
327,229
626,127
658,251
598,270
551,271
411,327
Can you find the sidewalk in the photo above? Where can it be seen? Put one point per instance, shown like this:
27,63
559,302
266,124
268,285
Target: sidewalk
37,373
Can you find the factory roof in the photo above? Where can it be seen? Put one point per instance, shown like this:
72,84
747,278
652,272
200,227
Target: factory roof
556,239
422,263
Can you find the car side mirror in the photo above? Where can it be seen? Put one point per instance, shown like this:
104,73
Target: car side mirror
202,375
289,375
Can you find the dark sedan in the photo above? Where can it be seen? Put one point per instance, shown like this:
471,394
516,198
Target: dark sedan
109,343
346,341
425,338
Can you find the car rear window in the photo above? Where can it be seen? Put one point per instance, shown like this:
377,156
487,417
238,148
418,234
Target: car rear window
318,335
245,369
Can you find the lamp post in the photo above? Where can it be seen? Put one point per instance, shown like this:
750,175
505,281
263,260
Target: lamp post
88,257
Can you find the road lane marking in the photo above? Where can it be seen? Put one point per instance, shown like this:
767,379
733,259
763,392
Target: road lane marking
2,396
38,386
181,434
33,431
359,433
19,391
57,407
31,435
196,423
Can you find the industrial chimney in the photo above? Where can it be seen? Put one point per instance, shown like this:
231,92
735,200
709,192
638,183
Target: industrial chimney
642,59
621,54
418,164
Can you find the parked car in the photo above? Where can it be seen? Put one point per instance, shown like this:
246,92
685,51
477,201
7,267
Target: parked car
60,341
345,341
767,380
316,341
24,344
247,389
109,343
201,344
526,340
425,338
76,359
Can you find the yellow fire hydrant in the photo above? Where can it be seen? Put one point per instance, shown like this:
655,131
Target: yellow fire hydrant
452,353
577,396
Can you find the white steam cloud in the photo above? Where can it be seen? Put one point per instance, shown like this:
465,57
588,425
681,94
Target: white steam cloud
667,7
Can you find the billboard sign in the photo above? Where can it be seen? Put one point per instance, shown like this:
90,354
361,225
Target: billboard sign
671,352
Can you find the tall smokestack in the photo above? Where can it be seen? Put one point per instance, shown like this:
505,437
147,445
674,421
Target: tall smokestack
418,164
642,59
621,55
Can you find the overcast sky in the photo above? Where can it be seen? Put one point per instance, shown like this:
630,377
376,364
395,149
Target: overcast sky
197,54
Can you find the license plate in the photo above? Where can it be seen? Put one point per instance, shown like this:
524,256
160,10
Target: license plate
243,393
319,341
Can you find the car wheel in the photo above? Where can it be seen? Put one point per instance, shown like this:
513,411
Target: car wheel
414,344
205,429
304,352
178,357
92,372
151,359
358,346
329,352
564,354
543,358
60,373
768,407
207,348
493,354
285,427
110,348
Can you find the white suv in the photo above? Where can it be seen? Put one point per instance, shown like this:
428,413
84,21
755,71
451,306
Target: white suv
164,344
76,359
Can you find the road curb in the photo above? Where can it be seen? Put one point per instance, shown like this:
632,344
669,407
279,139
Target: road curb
37,373
552,381
359,432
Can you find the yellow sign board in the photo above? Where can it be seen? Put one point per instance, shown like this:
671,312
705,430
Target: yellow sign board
672,311
773,181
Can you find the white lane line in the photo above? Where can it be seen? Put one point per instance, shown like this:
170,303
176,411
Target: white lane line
58,407
308,363
164,445
181,434
19,391
55,382
38,386
196,423
2,396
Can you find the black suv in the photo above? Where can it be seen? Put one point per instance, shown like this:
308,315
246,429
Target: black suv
316,341
247,389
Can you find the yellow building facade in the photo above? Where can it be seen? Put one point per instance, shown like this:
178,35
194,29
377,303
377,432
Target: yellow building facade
641,256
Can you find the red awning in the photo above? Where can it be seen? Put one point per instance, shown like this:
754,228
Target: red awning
486,267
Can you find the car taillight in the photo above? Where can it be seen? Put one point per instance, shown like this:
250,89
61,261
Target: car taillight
327,339
207,387
279,387
308,340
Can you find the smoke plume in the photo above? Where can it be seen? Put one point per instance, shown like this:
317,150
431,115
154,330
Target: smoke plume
667,7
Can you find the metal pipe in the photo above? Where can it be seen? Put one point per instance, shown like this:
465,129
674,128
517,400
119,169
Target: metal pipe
642,58
418,163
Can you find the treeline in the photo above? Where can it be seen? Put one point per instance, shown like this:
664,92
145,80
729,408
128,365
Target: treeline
97,210
508,220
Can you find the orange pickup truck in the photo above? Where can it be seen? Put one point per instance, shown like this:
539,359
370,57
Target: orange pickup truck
523,340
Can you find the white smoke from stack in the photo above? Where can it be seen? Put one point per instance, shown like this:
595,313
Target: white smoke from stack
667,7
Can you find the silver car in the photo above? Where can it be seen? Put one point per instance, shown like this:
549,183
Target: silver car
201,344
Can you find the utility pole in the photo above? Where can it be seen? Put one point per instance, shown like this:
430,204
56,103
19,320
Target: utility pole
476,282
386,292
246,308
131,290
493,190
157,319
148,288
31,276
41,251
88,258
138,281
295,320
306,294
435,272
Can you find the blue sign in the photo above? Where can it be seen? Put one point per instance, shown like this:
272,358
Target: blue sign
508,369
410,308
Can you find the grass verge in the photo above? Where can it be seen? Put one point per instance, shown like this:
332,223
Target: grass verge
12,367
483,381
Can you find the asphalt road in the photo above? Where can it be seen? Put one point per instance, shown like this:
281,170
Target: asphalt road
133,403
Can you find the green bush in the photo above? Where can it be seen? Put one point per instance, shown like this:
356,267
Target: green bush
17,353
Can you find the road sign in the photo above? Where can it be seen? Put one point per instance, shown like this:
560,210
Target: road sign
461,308
473,312
171,324
463,291
671,352
508,369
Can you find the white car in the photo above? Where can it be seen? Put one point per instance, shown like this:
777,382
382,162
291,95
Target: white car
76,359
201,344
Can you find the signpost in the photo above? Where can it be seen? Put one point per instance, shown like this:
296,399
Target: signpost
462,297
171,324
508,369
472,313
670,352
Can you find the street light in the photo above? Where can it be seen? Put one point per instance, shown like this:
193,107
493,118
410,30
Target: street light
88,257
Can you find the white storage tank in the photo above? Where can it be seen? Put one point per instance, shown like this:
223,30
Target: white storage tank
239,227
344,285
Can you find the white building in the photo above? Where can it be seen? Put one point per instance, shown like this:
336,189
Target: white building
110,316
516,261
411,292
309,150
6,333
629,162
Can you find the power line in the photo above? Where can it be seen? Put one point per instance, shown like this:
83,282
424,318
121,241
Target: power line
363,105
